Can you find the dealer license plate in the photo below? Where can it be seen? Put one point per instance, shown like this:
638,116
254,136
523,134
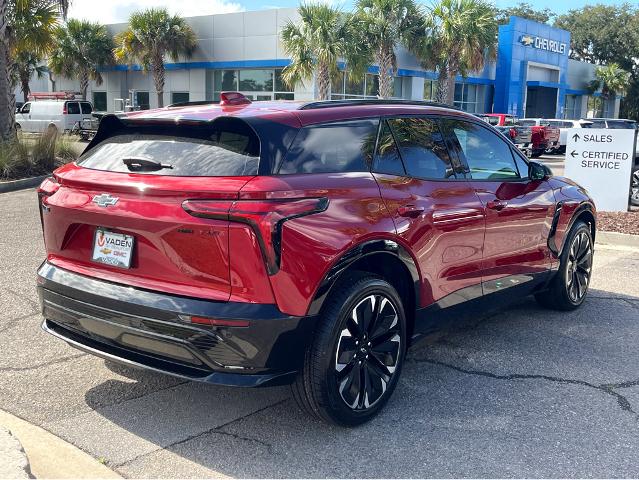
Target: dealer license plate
112,248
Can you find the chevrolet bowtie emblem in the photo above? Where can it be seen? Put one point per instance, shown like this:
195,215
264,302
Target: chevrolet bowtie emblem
104,200
527,40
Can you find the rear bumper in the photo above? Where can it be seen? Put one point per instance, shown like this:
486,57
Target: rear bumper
148,330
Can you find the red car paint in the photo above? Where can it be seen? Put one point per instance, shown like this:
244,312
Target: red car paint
458,233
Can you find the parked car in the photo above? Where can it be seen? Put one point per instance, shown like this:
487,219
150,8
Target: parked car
520,136
564,126
541,138
545,136
247,244
63,115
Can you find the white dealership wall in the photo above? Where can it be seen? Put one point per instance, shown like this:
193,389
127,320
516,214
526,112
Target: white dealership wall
251,40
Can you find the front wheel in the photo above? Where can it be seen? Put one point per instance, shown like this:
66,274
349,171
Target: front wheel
634,188
569,287
356,357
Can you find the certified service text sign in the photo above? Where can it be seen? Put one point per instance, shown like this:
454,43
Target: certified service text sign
600,160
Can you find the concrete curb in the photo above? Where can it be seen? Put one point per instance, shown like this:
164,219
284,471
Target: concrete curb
51,457
617,239
13,459
21,184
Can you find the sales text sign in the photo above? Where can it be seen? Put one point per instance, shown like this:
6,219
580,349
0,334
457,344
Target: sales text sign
600,160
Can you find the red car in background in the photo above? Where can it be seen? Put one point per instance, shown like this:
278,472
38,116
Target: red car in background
544,137
252,244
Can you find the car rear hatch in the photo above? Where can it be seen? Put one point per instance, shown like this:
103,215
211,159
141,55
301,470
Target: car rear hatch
118,213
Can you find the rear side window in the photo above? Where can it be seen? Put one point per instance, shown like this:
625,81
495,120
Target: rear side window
332,148
73,108
422,148
229,149
387,159
86,107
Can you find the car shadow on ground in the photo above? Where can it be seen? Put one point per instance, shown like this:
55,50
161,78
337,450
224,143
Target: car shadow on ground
471,399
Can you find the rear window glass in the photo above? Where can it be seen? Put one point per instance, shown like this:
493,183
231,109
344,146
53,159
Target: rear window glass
73,108
528,123
332,148
224,151
86,107
621,125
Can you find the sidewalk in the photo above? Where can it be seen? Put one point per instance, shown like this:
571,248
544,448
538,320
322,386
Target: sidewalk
28,451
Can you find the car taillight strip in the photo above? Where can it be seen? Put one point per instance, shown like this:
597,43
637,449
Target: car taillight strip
265,217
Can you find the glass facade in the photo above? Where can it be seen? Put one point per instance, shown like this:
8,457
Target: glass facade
100,101
572,110
467,97
256,84
430,89
343,87
179,97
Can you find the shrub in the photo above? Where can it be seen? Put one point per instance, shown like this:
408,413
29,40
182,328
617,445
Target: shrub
43,151
64,150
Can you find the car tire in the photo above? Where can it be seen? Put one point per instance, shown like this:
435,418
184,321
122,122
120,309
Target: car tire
634,188
354,344
569,287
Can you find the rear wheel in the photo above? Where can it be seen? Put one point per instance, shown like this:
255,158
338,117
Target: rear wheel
569,287
353,365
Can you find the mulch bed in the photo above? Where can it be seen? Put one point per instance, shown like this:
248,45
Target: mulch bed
622,222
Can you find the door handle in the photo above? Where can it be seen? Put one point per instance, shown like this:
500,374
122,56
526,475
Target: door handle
410,210
497,204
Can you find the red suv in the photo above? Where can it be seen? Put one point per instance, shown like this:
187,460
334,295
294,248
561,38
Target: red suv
254,244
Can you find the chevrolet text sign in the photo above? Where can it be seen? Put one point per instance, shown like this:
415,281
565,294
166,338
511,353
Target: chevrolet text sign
601,160
543,44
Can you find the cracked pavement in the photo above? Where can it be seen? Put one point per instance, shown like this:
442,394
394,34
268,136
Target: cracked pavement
522,392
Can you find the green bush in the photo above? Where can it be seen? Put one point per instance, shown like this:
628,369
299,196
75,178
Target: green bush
37,155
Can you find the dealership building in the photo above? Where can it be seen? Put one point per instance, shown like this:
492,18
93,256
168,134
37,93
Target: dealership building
532,75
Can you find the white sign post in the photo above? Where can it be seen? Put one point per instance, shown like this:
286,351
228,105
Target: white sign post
601,160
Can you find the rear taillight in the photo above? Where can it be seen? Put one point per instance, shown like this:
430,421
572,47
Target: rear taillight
513,133
64,109
265,216
47,188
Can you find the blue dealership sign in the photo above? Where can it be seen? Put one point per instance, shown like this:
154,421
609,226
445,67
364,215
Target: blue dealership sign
530,54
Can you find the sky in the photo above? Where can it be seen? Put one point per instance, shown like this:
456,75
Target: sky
113,11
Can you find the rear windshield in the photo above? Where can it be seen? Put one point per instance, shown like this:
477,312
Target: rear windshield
231,149
527,123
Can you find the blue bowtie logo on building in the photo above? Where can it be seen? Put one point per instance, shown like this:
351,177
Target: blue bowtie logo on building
527,40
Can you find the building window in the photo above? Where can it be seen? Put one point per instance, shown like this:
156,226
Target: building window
256,84
467,97
595,106
572,109
100,101
344,88
179,97
141,101
430,90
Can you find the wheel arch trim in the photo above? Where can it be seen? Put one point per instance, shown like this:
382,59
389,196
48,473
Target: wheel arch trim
358,252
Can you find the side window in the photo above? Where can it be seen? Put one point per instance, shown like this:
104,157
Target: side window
422,148
26,108
488,156
387,159
86,107
332,148
73,108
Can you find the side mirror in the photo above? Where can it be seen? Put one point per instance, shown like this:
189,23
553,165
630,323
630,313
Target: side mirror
537,171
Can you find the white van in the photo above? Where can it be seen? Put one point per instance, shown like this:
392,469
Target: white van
36,116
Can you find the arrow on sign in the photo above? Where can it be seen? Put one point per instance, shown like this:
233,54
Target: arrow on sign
573,154
576,137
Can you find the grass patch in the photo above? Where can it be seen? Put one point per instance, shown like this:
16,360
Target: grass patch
25,157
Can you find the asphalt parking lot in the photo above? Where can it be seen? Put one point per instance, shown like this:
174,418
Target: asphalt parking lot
523,393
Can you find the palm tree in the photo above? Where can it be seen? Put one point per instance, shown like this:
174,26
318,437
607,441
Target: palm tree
151,35
25,26
462,35
382,25
317,43
612,80
26,66
81,50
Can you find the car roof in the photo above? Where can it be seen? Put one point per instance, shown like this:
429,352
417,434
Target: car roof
293,113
